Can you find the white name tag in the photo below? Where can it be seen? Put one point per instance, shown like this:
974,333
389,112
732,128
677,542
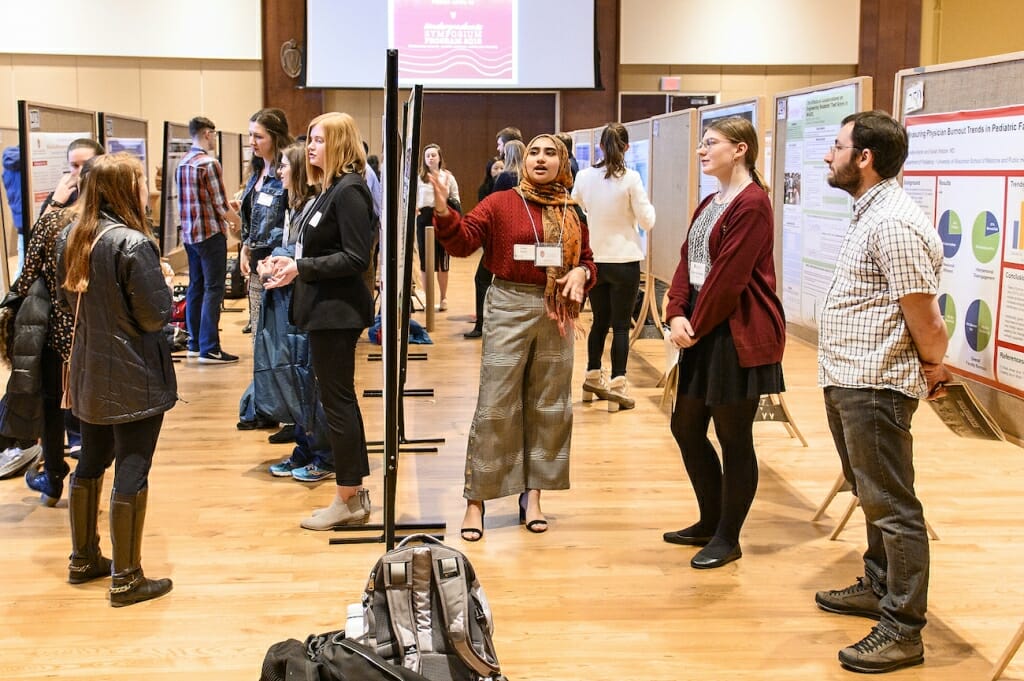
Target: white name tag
548,255
315,220
698,273
525,252
264,199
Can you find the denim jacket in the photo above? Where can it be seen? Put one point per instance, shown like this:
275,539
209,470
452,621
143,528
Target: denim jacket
262,226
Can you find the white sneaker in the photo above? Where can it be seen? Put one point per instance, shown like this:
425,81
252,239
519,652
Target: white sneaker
443,305
14,460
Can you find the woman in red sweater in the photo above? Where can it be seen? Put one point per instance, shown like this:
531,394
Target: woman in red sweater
724,315
538,249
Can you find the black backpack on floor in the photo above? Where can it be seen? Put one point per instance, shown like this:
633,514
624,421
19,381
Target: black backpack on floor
330,657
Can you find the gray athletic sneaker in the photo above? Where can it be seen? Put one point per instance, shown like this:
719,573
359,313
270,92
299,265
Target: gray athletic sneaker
881,652
858,599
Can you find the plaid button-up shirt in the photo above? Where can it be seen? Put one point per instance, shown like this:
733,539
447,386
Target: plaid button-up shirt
890,250
202,203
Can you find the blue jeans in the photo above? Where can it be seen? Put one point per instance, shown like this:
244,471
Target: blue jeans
871,429
207,268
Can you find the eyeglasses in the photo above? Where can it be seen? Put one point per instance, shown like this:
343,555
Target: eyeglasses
709,143
839,147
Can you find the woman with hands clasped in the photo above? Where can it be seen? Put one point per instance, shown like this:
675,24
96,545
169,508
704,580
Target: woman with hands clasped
724,314
331,302
538,249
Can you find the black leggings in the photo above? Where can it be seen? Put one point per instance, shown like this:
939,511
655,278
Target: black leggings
53,415
129,446
724,489
333,353
481,281
612,299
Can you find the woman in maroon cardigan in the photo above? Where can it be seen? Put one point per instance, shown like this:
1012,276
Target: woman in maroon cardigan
724,315
538,249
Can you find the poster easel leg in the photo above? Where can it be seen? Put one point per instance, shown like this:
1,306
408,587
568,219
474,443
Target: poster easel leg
842,486
1008,654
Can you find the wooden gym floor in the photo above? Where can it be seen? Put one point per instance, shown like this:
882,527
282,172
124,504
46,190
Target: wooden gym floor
598,597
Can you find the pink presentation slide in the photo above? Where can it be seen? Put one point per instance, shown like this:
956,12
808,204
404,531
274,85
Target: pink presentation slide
459,40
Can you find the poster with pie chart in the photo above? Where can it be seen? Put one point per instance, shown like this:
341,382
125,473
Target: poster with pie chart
950,232
978,325
947,308
985,237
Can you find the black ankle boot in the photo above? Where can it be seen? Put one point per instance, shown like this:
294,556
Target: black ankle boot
87,563
128,584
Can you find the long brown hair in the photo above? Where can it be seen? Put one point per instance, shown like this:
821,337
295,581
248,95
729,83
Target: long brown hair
614,140
299,189
110,188
424,170
275,122
737,129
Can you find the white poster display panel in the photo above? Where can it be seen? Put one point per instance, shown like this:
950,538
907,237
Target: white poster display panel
966,171
49,156
815,216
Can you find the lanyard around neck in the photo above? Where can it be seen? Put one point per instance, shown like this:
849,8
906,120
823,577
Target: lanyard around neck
561,229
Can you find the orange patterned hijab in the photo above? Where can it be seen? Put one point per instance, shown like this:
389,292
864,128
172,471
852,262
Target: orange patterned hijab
561,225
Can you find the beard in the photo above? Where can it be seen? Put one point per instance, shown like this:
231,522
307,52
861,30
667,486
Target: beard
847,177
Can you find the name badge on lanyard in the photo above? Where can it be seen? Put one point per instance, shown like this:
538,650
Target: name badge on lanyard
265,199
548,255
525,252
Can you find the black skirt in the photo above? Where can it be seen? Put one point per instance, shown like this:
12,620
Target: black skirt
710,371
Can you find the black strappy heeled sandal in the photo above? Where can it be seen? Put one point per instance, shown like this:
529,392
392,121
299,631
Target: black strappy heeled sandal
536,526
474,533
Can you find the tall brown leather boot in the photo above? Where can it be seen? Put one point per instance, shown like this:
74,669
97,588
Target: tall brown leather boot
128,584
87,563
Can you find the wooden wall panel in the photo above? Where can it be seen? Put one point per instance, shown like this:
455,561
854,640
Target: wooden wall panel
285,20
465,125
591,108
890,40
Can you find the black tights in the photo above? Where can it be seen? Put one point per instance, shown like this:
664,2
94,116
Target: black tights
724,489
129,446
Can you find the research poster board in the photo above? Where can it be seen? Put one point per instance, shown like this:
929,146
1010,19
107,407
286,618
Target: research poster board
638,158
751,109
44,135
965,169
123,133
811,217
177,142
672,189
582,144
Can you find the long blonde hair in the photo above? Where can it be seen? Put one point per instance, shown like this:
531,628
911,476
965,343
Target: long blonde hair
111,188
343,148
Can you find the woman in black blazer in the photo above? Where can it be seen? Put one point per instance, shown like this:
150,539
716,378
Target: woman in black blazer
330,300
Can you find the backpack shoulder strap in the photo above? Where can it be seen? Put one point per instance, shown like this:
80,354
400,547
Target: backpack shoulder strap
452,574
397,567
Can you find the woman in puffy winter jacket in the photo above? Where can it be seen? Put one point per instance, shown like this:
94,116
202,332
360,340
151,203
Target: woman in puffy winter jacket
122,379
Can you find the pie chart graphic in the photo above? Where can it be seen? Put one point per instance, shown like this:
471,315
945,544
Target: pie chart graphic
948,311
950,232
985,237
978,325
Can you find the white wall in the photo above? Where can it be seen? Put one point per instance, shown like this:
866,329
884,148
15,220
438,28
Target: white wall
178,29
713,32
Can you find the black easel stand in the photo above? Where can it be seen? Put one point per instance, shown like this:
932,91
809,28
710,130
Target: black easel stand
393,316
